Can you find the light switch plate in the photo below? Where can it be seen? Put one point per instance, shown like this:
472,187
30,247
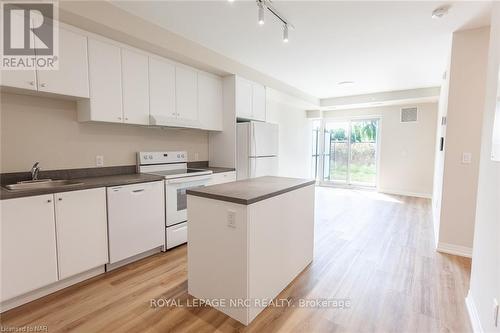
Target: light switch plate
466,158
99,161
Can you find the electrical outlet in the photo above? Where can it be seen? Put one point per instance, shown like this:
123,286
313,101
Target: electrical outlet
99,161
231,219
495,312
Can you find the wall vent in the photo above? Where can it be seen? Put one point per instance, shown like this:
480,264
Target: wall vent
409,115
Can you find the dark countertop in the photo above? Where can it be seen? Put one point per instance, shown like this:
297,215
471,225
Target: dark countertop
249,191
89,177
87,183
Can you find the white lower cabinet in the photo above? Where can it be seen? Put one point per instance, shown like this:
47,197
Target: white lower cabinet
222,177
51,237
81,228
28,249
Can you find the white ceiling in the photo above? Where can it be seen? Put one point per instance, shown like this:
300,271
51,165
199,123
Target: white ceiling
382,46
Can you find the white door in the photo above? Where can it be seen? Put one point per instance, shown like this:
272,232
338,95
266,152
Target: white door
162,91
105,76
263,166
81,228
210,101
259,102
136,219
135,81
244,98
263,139
28,247
176,198
72,77
186,94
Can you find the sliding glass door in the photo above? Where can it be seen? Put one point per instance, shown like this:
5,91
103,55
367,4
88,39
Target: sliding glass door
349,152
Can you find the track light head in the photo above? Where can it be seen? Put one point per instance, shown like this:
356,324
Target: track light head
285,33
261,13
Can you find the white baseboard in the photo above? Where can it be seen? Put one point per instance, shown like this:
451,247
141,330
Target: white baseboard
473,315
457,250
406,193
44,291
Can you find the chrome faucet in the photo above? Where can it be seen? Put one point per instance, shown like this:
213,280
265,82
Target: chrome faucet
35,169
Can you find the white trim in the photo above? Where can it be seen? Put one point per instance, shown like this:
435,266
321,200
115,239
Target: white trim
473,315
406,193
457,250
44,291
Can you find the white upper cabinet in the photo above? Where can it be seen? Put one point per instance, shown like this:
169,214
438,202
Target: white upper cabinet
105,75
81,228
161,91
259,102
24,79
28,245
210,101
135,82
244,98
72,78
186,95
250,100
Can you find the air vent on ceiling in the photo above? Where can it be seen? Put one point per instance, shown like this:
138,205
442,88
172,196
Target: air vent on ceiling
409,115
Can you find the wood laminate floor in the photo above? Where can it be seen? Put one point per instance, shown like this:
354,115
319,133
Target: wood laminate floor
373,251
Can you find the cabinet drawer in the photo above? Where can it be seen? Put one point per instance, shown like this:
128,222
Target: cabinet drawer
223,177
176,235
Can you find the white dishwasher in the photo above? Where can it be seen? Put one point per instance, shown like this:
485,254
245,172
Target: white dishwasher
136,219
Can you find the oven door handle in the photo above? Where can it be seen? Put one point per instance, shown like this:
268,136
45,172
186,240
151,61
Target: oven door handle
188,179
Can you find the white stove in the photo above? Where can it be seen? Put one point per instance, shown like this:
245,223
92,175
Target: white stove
172,165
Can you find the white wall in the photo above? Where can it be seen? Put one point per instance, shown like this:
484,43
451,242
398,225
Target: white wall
294,133
465,105
485,276
406,149
46,130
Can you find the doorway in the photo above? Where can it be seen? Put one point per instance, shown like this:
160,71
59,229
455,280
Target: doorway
349,152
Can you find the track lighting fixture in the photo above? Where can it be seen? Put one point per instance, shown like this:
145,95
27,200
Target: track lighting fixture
262,5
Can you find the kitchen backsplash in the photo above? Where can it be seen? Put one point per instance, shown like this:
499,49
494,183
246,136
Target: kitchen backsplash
46,130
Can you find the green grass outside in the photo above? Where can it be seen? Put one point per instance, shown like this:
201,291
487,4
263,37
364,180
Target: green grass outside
359,173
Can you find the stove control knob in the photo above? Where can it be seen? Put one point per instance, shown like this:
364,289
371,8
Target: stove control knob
150,157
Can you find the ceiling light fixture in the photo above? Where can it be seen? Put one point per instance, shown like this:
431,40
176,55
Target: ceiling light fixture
261,13
439,12
346,83
267,4
285,33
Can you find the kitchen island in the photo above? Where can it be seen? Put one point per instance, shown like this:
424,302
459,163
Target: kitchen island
247,240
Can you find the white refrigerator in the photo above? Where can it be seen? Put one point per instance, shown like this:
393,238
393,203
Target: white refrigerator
257,150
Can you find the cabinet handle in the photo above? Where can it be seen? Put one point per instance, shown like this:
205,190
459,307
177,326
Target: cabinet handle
60,199
49,200
119,118
126,118
43,84
32,83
